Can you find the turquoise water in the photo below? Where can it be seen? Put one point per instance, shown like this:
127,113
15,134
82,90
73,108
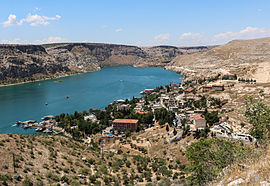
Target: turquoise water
90,90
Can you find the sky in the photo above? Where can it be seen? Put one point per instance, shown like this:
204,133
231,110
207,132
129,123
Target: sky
133,22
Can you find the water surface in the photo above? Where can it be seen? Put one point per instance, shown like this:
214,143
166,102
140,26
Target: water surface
90,90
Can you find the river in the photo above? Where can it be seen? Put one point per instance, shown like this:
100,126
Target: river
89,90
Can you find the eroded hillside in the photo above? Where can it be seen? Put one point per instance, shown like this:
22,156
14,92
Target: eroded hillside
247,58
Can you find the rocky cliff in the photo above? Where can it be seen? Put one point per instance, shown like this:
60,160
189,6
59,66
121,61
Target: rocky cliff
30,62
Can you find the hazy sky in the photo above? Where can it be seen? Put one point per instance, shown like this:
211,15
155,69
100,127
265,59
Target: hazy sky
134,22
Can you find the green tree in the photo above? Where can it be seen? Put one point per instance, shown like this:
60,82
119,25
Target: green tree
174,132
208,157
258,115
167,128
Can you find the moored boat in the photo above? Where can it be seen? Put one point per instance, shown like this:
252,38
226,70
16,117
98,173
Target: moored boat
40,129
18,122
25,126
48,130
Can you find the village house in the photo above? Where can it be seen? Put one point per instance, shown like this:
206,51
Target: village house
92,117
142,112
173,108
138,107
125,125
122,107
157,106
206,88
198,121
229,77
218,87
189,90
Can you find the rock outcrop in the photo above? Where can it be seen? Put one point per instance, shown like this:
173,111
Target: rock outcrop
30,62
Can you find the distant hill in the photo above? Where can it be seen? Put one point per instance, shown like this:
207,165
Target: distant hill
31,62
247,58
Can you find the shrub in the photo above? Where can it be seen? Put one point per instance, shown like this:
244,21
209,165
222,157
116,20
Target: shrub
207,158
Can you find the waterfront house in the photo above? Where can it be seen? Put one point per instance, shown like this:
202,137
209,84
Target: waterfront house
125,125
92,117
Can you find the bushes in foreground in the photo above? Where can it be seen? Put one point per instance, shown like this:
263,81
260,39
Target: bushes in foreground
208,157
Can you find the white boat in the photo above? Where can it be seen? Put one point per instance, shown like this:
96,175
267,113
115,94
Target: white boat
48,131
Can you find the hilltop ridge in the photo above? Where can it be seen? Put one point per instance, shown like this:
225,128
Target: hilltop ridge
33,62
247,58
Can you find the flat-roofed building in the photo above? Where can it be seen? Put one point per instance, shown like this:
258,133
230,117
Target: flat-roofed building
218,87
199,121
125,124
206,88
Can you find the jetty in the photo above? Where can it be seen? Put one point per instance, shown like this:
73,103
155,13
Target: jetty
47,125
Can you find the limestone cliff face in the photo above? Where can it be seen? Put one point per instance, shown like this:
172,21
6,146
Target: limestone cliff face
19,62
25,61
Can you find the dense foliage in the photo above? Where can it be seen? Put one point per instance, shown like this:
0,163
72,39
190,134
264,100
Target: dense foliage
77,126
164,116
207,158
259,116
211,117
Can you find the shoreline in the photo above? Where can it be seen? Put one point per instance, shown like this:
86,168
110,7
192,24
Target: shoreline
48,78
78,73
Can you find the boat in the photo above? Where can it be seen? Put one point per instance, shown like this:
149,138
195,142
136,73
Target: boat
25,126
47,117
48,130
57,132
40,129
18,122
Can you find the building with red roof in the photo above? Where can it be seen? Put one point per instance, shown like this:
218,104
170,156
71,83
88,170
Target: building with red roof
199,121
125,124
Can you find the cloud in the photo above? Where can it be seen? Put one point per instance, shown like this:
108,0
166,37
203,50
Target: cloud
51,39
104,26
37,9
14,41
33,20
12,20
119,30
36,19
189,38
193,39
162,37
247,33
189,35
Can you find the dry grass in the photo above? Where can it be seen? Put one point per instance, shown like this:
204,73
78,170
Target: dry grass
253,171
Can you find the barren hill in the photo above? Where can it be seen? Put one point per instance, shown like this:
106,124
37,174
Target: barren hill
247,58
